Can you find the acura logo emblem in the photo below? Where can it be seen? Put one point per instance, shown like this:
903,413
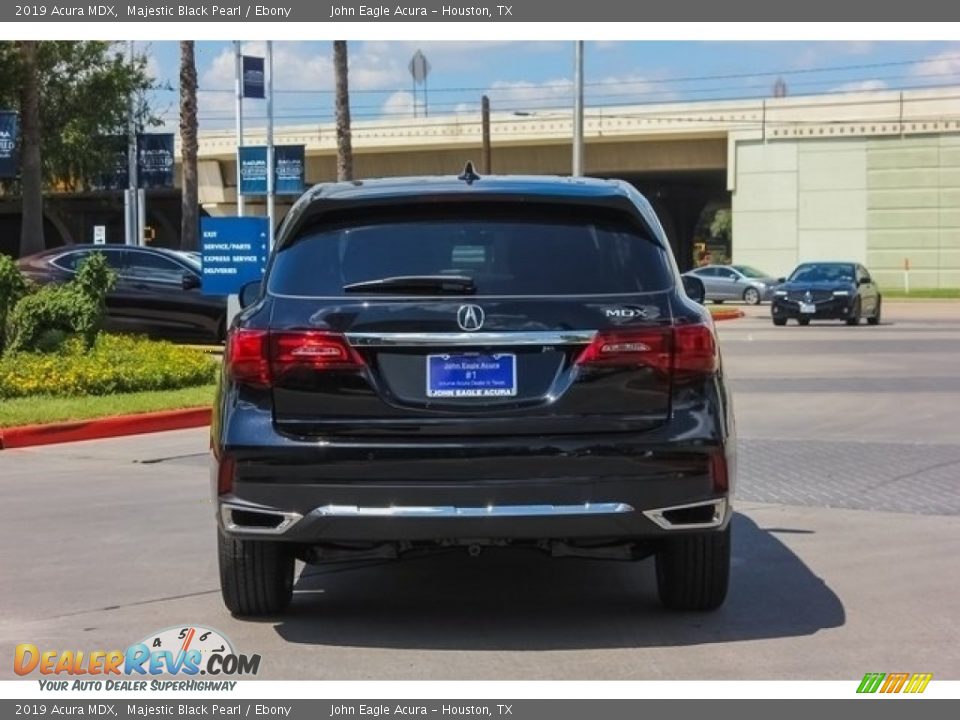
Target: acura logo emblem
470,317
808,296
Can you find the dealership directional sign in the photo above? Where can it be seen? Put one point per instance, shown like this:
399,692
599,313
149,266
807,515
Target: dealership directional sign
233,252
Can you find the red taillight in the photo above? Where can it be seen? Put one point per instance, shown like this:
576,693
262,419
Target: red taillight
695,350
312,349
225,471
246,358
719,473
648,347
258,357
687,349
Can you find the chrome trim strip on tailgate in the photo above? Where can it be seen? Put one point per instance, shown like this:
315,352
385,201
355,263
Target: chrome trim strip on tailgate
548,337
452,511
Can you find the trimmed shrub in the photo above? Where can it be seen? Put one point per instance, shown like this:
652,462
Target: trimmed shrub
74,308
114,364
13,286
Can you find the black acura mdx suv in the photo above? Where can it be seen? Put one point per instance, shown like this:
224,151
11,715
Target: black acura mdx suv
467,361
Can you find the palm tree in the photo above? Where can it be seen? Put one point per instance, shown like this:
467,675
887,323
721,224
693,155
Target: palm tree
31,172
344,148
190,211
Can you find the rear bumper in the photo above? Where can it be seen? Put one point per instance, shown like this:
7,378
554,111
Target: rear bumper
667,491
393,523
362,488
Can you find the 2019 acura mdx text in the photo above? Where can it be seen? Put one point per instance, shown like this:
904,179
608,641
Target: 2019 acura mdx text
472,361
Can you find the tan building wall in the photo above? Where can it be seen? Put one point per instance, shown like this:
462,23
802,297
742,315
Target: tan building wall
913,209
877,201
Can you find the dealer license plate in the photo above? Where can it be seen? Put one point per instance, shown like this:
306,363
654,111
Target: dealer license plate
466,376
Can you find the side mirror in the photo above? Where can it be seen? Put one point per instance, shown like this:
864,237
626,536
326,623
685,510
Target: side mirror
249,293
864,281
781,280
189,281
694,288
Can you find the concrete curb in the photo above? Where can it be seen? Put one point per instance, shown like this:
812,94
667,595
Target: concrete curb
98,428
727,314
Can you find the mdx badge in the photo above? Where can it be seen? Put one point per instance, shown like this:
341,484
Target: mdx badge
625,313
470,317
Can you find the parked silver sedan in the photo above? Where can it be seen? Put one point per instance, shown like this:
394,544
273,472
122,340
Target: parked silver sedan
735,282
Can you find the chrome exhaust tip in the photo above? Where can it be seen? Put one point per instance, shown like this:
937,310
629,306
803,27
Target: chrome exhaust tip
254,520
692,516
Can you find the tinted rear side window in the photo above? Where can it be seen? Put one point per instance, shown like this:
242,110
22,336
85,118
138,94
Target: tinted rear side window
506,252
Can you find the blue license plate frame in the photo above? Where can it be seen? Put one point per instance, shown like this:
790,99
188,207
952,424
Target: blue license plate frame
471,376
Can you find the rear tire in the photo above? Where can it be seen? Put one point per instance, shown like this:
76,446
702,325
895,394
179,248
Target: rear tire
751,296
256,576
803,321
779,322
693,571
718,302
875,320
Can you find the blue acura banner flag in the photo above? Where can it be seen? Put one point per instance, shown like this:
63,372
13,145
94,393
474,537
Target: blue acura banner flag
8,144
253,77
253,170
155,160
288,171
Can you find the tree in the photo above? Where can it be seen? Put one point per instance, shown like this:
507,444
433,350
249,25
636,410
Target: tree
31,162
70,95
721,227
189,220
344,146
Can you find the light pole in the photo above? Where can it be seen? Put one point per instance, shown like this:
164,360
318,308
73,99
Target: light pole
271,157
238,62
578,110
133,216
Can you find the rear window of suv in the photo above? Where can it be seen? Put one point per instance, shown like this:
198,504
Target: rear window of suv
505,251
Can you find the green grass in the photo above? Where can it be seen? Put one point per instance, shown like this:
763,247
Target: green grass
924,294
47,409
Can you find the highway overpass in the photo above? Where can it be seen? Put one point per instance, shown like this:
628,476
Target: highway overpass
870,176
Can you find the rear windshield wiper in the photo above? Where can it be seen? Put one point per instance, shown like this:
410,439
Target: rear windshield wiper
416,284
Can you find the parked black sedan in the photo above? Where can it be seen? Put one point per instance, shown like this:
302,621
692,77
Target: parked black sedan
827,291
157,291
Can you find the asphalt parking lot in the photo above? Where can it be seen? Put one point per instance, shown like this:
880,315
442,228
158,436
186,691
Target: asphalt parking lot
846,544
